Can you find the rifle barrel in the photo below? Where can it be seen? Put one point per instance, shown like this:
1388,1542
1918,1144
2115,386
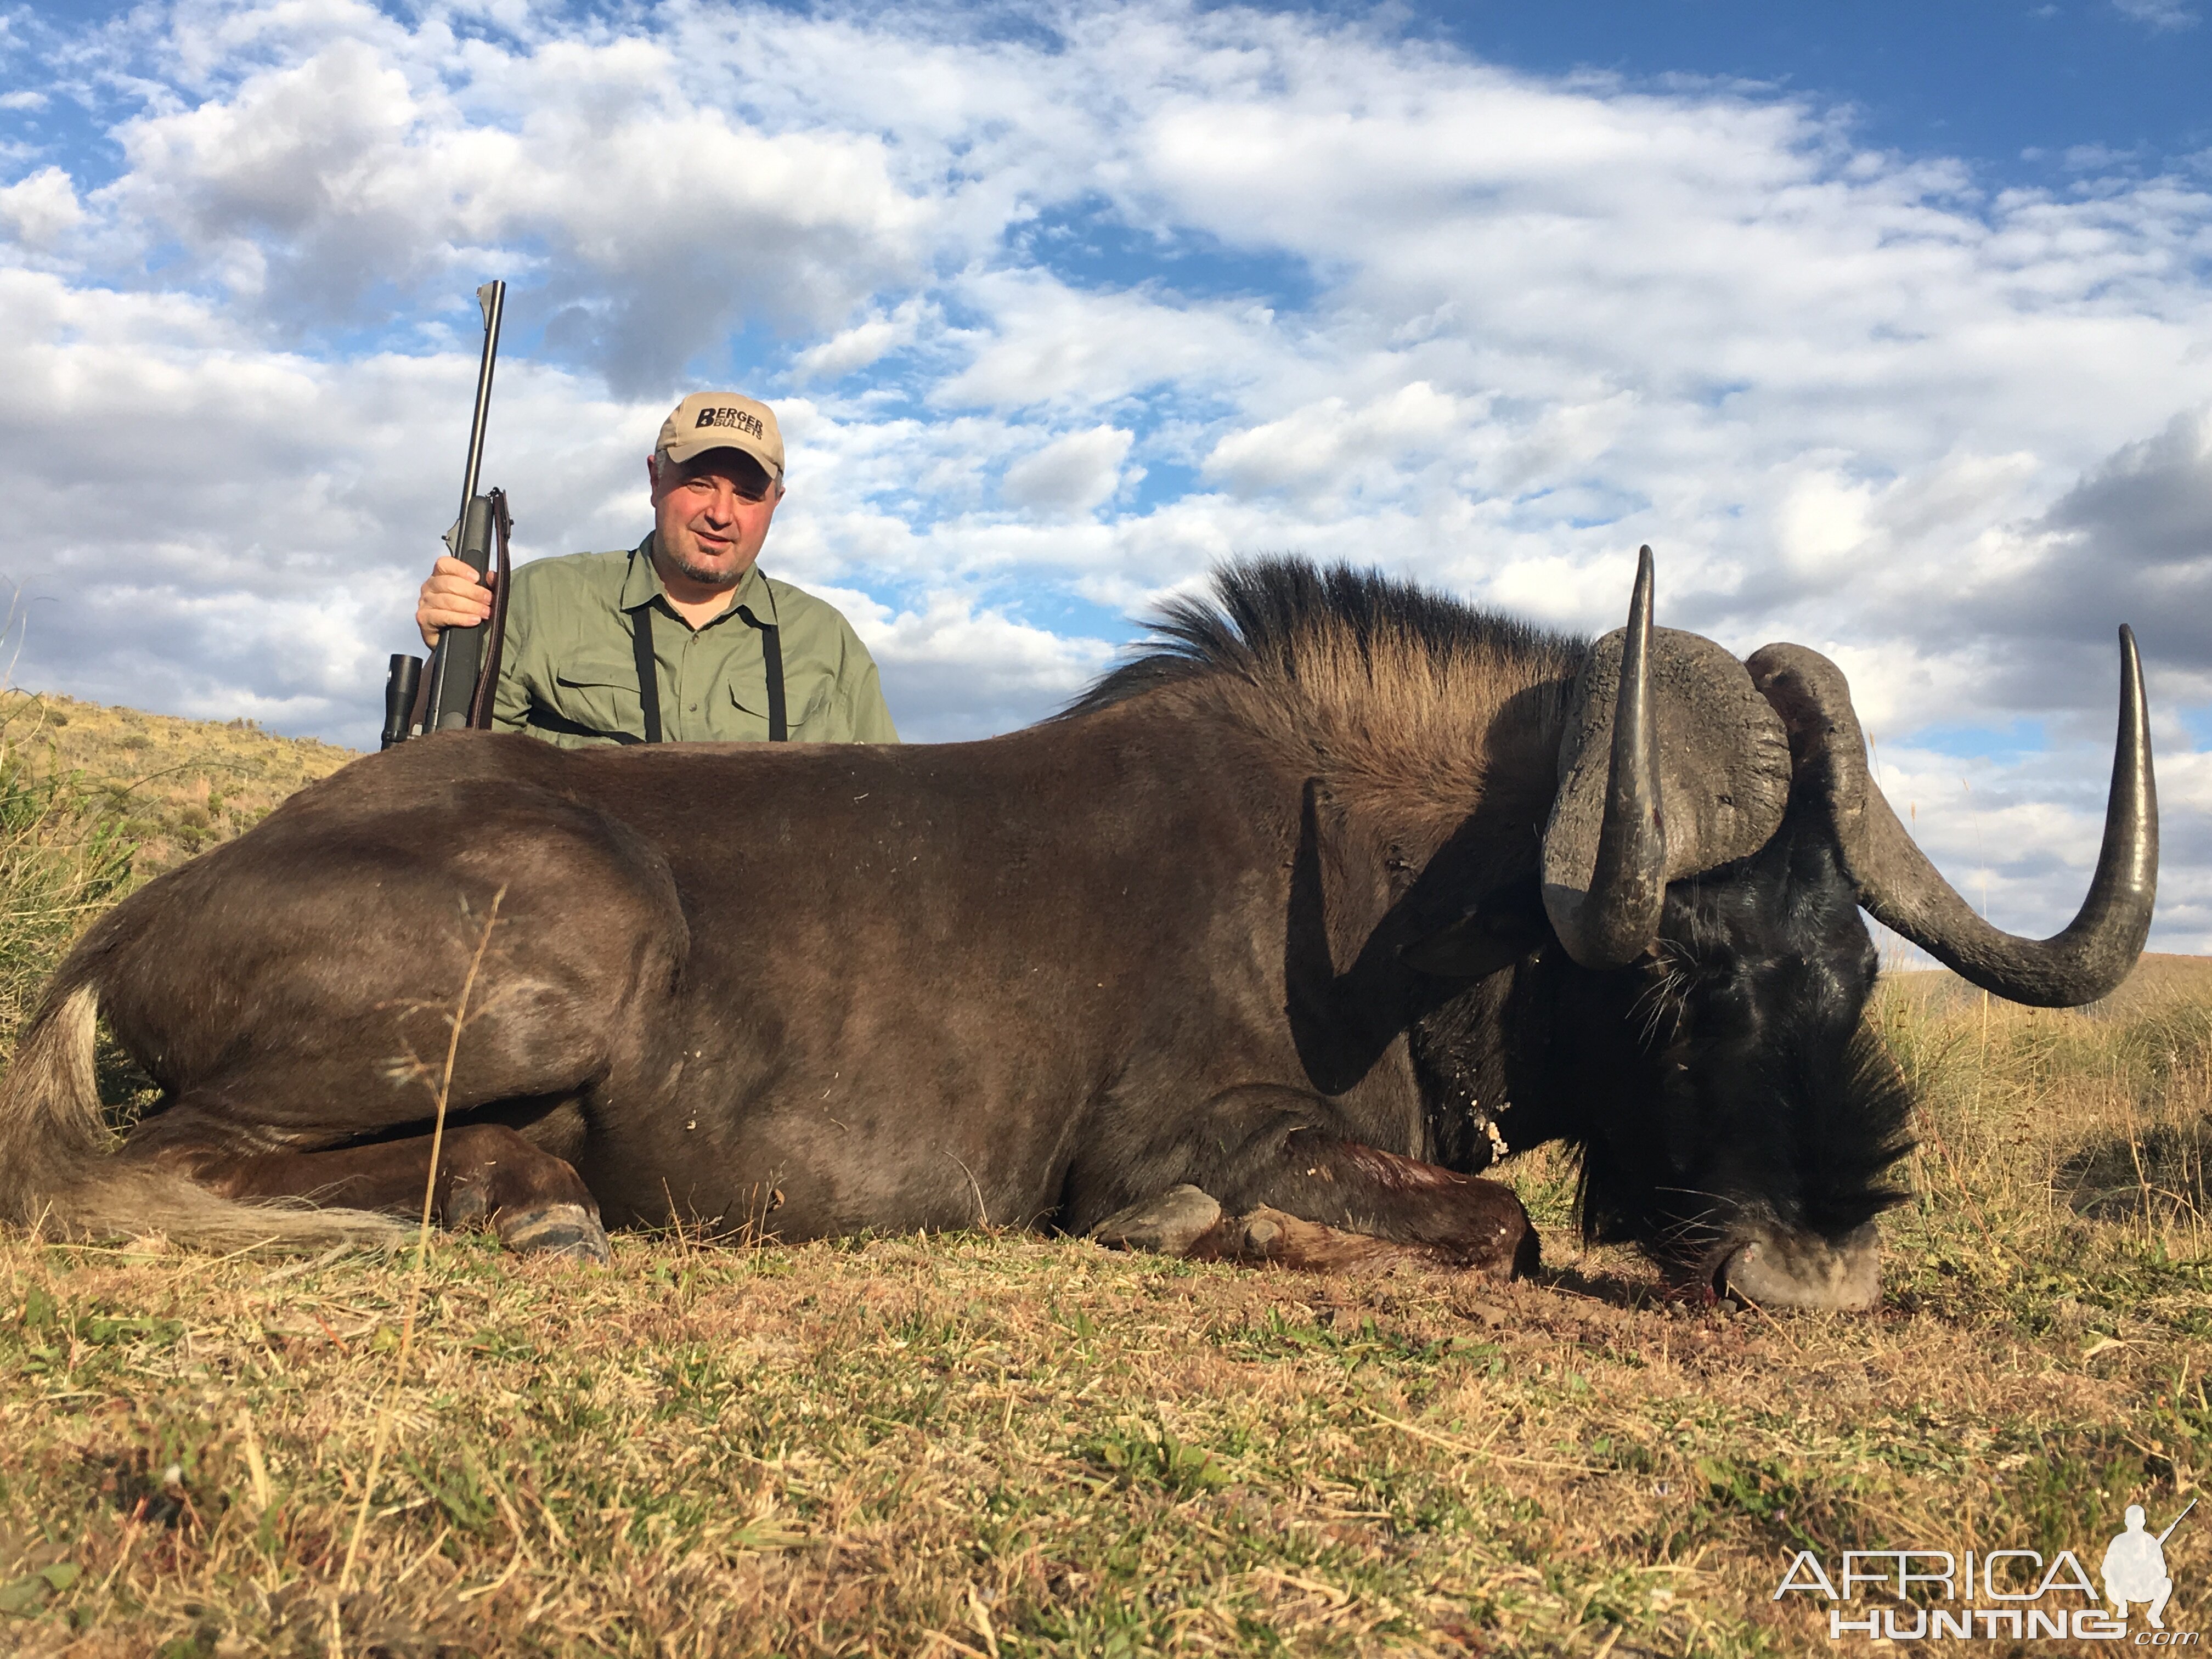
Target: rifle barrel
492,298
458,658
2177,1520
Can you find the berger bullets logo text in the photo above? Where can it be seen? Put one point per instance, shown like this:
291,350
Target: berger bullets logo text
744,419
2010,1595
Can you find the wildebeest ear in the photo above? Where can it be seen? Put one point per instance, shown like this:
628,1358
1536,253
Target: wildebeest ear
1491,936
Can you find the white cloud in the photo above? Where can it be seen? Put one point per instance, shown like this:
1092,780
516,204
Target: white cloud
2094,158
855,347
1321,447
1070,475
655,222
1049,343
39,211
946,660
1054,316
2159,14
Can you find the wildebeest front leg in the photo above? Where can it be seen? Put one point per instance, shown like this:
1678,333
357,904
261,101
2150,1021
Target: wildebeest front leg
487,1174
1314,1199
1302,1197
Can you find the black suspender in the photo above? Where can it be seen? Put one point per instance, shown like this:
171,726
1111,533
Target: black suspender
771,660
648,681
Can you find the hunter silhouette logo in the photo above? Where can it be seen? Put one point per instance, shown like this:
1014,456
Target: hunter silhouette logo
2135,1567
2001,1595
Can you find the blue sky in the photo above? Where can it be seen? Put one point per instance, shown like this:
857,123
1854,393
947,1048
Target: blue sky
1888,326
2028,92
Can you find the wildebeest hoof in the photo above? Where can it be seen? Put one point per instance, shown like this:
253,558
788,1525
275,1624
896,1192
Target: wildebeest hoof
1167,1226
1260,1230
561,1230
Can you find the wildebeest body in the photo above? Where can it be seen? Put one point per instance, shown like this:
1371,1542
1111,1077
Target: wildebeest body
1031,979
1300,918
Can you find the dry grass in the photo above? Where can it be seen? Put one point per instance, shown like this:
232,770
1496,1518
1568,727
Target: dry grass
95,800
1008,1446
63,855
170,786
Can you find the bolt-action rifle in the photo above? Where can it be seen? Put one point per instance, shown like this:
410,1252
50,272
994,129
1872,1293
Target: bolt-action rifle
457,689
2178,1520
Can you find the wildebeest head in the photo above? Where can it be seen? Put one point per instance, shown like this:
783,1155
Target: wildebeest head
1716,835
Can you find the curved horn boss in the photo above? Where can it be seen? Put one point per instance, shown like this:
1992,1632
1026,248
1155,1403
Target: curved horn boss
1713,841
1672,764
2085,960
1669,768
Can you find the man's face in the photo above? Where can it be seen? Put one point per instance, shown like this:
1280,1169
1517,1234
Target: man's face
711,513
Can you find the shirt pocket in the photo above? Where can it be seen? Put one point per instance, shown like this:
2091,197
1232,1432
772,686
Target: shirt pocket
600,695
809,705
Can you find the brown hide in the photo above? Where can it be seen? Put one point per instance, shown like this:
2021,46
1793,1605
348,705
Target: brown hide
821,989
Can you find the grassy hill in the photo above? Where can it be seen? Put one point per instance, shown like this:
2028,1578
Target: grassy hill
171,786
991,1443
95,800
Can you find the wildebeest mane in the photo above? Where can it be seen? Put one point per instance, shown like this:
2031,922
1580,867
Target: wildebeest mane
1403,700
1278,619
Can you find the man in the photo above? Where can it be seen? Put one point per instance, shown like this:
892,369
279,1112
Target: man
682,638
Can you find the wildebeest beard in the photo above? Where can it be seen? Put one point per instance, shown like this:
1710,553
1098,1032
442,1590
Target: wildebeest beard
1732,1088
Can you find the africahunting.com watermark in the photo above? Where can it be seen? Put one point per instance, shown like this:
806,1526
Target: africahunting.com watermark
2009,1596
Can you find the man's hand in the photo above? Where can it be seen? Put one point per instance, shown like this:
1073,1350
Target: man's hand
451,597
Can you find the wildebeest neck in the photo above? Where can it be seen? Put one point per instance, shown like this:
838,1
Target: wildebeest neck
1409,706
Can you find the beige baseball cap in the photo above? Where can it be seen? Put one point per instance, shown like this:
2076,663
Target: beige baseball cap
723,419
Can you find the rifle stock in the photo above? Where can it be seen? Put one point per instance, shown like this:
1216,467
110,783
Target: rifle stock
458,657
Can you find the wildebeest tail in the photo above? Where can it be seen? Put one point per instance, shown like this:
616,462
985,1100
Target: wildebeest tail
57,1172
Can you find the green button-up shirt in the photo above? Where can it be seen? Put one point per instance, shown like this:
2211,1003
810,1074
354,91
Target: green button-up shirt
568,674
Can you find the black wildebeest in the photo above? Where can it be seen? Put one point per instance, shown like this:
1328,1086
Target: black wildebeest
1286,926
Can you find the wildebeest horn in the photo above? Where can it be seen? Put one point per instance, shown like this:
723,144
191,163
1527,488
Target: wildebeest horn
2085,960
1610,922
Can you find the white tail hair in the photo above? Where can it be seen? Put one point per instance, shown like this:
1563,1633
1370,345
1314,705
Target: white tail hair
57,1168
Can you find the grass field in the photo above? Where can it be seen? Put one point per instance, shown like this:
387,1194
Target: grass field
1006,1445
93,798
